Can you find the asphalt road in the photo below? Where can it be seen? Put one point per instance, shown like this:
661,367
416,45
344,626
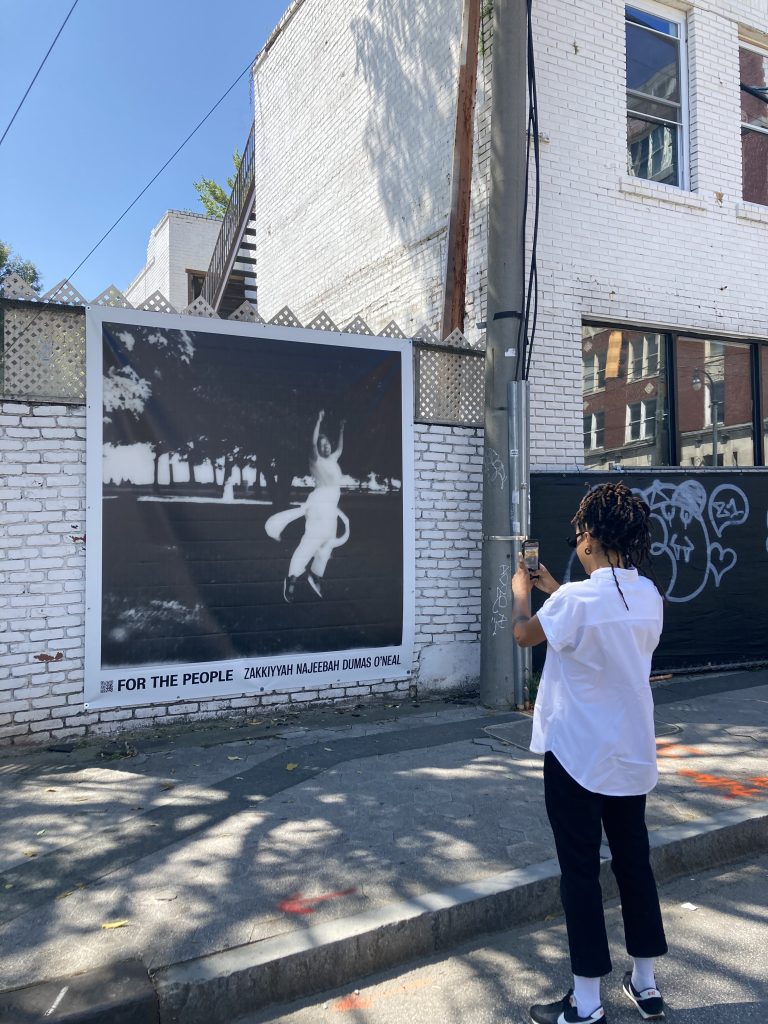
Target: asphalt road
715,973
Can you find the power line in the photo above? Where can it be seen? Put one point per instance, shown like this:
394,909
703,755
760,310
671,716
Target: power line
151,181
40,68
154,178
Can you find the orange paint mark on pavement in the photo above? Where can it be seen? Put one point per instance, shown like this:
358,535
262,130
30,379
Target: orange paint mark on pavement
357,1002
300,904
352,1002
730,788
665,748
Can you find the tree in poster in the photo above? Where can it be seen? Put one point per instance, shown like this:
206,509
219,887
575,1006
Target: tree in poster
145,369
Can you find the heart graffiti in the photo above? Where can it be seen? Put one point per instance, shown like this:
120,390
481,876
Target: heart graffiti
720,561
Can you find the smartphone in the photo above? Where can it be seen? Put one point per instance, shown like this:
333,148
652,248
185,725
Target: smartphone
531,555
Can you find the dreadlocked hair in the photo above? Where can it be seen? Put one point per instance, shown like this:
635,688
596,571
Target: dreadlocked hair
620,521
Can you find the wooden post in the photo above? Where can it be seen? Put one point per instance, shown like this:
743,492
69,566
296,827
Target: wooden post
458,225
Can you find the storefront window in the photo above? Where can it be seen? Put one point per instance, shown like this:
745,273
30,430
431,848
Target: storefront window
714,403
624,398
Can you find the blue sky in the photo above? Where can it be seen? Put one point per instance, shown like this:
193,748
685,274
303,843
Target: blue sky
124,85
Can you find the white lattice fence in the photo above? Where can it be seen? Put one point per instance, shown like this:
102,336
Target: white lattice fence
42,349
449,380
43,353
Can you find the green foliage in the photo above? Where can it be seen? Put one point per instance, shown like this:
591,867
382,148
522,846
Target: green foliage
486,14
214,198
11,263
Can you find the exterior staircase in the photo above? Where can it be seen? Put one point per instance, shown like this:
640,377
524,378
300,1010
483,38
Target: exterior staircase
231,275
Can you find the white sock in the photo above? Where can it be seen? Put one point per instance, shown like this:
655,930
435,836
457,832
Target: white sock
642,973
586,992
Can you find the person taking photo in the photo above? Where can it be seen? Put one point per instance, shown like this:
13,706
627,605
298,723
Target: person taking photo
593,722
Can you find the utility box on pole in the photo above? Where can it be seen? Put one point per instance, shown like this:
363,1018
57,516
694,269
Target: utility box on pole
503,666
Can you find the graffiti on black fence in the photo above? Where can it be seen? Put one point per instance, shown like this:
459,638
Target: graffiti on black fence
687,527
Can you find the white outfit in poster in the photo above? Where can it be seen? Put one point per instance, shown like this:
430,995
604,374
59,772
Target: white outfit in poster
320,511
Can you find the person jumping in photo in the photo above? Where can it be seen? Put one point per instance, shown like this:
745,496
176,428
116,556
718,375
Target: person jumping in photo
320,511
593,722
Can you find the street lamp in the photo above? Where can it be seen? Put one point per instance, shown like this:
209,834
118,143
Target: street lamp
696,383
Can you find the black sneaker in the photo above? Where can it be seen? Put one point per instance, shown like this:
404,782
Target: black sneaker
563,1012
314,582
649,1001
289,589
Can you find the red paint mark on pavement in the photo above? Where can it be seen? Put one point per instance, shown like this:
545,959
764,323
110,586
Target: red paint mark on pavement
665,748
58,656
300,904
730,788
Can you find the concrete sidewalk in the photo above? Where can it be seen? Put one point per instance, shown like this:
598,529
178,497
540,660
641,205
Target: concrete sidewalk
716,924
256,864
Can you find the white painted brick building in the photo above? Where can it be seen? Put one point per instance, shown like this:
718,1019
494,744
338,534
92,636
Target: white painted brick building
354,123
353,167
180,244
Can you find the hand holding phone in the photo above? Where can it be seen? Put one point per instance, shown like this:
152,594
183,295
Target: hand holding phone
531,555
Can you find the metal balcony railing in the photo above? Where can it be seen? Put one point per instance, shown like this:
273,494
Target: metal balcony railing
232,228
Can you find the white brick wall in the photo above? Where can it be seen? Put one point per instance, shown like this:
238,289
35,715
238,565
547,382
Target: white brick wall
354,114
42,539
42,577
182,241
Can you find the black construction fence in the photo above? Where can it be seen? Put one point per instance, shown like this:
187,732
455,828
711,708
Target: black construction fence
710,556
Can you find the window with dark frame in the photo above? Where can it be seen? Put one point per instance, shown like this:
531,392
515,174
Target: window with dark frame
753,67
625,420
655,97
715,402
714,420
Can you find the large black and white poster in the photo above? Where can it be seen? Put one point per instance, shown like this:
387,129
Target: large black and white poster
250,508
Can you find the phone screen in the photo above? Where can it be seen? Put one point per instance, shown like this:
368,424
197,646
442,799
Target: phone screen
531,555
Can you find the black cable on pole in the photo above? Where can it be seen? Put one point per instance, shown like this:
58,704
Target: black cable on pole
532,297
151,181
529,280
40,68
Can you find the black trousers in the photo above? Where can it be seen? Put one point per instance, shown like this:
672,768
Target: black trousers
577,817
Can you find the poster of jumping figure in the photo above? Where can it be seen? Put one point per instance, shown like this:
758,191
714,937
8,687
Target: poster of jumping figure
250,508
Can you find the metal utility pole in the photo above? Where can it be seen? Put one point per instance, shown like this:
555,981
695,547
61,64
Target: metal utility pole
458,224
503,665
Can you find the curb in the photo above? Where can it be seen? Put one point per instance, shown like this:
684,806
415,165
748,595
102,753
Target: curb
220,987
120,993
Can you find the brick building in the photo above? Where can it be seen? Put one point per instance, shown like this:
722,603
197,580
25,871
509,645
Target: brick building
178,253
654,206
